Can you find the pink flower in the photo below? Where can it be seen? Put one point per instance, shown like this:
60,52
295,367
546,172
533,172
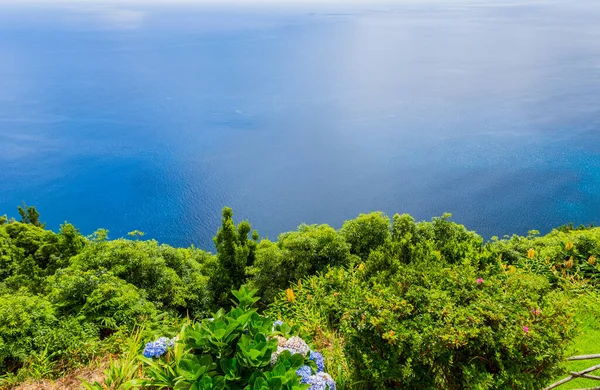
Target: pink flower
536,312
525,329
479,280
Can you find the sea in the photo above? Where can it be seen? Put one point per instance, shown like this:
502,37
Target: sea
153,116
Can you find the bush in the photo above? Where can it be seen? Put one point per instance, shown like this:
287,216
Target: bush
116,303
393,304
172,279
366,233
438,326
69,339
99,297
296,255
454,241
23,319
562,256
234,350
235,252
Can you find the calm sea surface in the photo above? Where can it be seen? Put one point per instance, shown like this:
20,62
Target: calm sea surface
153,118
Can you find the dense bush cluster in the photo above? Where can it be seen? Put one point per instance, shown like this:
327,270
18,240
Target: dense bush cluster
449,327
62,293
391,302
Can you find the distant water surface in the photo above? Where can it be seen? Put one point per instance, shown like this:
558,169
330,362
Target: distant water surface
153,118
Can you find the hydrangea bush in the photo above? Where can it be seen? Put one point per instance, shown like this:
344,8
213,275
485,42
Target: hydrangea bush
155,349
313,374
239,349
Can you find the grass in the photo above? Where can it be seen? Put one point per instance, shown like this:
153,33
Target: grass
588,342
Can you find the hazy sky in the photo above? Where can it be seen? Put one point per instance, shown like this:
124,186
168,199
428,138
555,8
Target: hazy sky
246,2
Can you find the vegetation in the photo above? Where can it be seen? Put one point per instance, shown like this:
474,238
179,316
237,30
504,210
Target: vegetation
391,303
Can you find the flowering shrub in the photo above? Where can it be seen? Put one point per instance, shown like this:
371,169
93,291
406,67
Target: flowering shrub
318,381
158,348
411,304
438,326
239,349
313,374
563,255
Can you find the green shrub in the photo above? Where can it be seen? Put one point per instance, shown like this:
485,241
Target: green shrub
28,253
296,255
7,263
121,373
98,297
435,326
562,256
233,350
454,241
23,319
394,304
172,279
116,303
366,233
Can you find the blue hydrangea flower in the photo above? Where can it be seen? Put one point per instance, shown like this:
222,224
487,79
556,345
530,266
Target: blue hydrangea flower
158,348
305,372
318,359
167,341
329,382
321,381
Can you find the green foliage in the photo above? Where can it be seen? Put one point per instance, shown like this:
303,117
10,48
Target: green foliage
296,255
73,293
115,303
30,215
136,233
562,256
230,351
121,374
28,253
22,318
390,303
431,324
172,278
366,233
32,334
235,251
70,243
454,241
587,308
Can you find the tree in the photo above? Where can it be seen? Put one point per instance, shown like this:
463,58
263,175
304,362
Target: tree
311,248
234,253
30,215
366,233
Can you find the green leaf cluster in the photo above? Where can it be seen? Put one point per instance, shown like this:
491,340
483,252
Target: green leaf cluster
232,350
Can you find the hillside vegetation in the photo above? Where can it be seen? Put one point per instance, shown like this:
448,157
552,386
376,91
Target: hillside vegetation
390,302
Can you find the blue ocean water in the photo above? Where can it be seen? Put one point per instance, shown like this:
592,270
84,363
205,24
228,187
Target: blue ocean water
153,117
